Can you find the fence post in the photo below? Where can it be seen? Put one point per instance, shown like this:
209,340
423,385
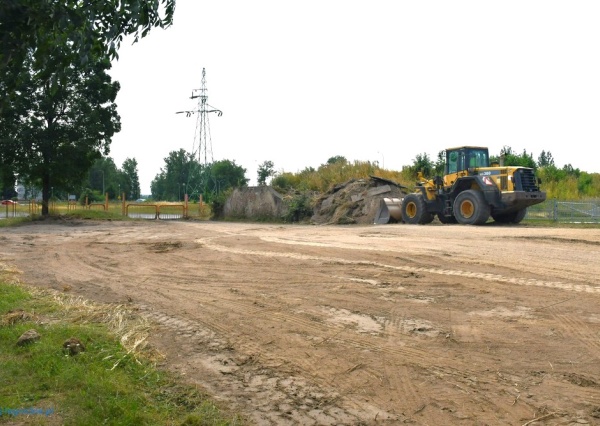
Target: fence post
555,210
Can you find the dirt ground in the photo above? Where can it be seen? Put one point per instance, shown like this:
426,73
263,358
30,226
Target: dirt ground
350,325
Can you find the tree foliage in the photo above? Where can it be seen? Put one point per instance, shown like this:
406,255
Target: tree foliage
510,158
130,184
58,114
545,159
265,170
105,177
168,184
59,120
337,159
183,174
90,28
421,163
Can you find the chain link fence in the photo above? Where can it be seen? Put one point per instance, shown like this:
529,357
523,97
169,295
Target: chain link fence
566,211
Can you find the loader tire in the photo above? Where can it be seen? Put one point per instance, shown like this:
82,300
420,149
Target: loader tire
470,208
414,210
514,217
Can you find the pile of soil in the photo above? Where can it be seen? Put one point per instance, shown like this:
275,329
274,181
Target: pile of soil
356,201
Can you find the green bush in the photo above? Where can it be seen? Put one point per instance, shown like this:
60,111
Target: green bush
300,206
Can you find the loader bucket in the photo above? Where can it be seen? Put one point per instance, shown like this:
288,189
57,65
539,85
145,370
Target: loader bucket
389,211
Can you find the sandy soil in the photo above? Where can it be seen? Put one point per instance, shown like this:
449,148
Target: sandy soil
351,325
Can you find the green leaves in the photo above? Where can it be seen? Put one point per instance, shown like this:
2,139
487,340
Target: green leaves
183,174
265,170
88,28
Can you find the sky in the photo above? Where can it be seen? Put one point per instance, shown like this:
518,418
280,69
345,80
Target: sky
384,80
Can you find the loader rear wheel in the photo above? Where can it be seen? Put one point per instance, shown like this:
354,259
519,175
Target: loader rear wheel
514,217
414,210
470,208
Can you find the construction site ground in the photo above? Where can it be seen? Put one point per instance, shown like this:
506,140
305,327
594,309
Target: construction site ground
349,325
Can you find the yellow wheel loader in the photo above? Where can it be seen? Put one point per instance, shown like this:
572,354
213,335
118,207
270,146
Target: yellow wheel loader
471,191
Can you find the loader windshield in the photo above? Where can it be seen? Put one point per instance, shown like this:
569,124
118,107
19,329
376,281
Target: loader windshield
463,158
478,158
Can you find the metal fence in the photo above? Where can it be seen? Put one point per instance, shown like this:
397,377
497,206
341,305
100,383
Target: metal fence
550,210
566,211
162,210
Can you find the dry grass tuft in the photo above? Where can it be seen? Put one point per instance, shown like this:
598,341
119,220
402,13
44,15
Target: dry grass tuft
9,274
123,321
131,328
16,316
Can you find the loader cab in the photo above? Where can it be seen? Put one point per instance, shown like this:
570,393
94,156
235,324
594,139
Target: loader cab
464,158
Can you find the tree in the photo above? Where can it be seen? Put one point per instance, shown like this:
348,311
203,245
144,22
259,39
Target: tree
440,164
131,181
60,120
57,113
523,160
422,163
90,28
545,159
103,177
226,174
337,159
182,173
265,170
168,184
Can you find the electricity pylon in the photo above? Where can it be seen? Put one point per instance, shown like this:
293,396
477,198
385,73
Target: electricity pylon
202,147
202,139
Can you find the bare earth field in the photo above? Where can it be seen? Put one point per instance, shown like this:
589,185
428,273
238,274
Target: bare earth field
350,325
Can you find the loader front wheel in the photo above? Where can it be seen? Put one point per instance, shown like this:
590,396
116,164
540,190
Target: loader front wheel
414,210
470,208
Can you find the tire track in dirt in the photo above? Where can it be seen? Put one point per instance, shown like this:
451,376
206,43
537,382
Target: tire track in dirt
344,387
413,269
275,399
583,333
452,375
345,338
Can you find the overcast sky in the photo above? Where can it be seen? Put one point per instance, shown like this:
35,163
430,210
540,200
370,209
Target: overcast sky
300,82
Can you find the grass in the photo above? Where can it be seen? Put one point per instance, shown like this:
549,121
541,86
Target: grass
114,381
13,221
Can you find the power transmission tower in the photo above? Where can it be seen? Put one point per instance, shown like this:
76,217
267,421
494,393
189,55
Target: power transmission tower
202,139
202,147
